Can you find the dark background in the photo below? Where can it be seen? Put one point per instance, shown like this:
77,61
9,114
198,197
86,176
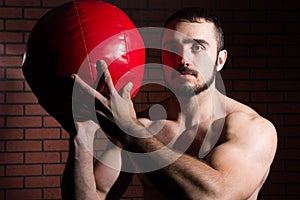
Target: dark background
261,36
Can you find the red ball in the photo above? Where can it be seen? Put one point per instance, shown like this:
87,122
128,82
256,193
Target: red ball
72,37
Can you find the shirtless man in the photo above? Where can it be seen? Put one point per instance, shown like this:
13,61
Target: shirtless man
232,146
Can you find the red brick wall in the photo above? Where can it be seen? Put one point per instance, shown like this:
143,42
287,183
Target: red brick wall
262,38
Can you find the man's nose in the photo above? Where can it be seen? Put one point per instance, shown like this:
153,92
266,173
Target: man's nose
183,58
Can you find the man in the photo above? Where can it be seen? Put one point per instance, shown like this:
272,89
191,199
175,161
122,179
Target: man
208,146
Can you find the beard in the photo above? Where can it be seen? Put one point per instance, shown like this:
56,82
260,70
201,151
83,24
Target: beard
187,90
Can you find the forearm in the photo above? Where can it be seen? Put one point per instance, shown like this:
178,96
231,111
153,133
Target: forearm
191,176
85,186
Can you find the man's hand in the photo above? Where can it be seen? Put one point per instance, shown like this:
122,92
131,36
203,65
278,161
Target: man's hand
115,112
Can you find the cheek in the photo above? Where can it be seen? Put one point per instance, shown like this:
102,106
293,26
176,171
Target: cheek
170,59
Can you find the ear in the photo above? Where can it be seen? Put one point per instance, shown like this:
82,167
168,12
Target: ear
222,56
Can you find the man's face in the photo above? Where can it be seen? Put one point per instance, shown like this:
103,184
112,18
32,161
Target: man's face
191,49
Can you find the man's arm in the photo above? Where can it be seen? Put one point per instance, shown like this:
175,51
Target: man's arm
233,170
93,179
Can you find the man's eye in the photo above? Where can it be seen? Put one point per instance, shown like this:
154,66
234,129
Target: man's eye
197,47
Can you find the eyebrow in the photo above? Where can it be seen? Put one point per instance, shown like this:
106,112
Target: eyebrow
199,41
187,41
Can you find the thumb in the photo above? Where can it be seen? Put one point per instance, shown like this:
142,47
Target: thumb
125,92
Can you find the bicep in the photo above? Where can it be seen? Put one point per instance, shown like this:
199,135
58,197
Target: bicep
111,182
243,163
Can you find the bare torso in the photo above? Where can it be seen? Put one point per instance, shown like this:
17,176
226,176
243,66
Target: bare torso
205,128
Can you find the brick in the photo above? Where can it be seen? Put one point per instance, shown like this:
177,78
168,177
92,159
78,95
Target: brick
64,157
243,62
12,146
293,189
11,85
35,109
279,62
50,122
291,74
52,193
284,15
232,4
203,3
266,74
258,4
29,194
24,121
10,134
157,4
14,73
288,154
34,13
284,85
241,96
7,12
1,45
2,146
23,170
11,61
23,3
1,28
288,130
141,97
267,51
20,25
129,4
42,157
249,16
249,85
2,73
238,50
235,28
291,96
64,134
10,37
42,181
273,189
11,182
15,49
235,74
43,133
267,96
53,169
293,165
11,158
251,39
11,109
284,108
148,15
56,145
283,39
266,28
53,3
21,97
292,119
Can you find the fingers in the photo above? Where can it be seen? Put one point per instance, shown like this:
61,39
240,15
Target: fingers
92,94
125,92
102,68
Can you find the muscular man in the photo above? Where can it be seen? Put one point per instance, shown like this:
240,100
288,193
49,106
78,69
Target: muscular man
214,146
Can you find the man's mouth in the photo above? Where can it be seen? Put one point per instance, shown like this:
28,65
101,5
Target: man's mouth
184,71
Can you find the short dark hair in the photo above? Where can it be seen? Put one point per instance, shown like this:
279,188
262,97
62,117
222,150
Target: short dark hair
193,15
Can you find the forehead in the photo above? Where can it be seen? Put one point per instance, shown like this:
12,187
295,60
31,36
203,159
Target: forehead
196,30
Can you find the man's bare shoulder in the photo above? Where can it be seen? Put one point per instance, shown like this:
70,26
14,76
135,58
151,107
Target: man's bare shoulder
245,124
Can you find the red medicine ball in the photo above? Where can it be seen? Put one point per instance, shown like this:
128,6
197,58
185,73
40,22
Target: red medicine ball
72,38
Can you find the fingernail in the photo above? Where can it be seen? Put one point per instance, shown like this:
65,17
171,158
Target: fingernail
129,86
